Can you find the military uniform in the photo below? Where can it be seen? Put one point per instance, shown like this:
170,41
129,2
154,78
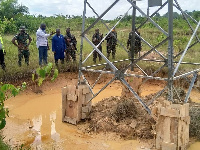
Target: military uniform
71,42
2,53
96,39
111,44
23,50
138,45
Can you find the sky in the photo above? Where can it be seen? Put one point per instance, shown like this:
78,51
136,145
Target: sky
75,7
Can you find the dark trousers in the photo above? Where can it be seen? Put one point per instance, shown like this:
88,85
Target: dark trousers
111,49
2,60
42,55
25,54
56,61
71,53
95,54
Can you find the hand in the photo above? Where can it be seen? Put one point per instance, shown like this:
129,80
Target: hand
4,53
54,52
52,33
19,46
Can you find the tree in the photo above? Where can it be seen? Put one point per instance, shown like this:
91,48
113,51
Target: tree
11,9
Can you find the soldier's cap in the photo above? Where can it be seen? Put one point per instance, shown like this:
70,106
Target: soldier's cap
22,28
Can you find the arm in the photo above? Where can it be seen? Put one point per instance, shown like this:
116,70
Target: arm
42,34
30,39
1,40
14,42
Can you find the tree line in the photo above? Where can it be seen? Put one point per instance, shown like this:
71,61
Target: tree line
13,15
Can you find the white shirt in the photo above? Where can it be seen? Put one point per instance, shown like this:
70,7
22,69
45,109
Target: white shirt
41,38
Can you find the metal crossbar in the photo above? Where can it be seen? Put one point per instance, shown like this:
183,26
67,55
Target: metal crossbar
167,61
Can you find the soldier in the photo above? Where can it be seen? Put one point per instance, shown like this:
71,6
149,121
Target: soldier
71,42
111,43
23,50
96,39
2,53
138,46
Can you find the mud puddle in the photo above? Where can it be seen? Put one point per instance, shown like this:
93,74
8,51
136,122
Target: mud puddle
35,121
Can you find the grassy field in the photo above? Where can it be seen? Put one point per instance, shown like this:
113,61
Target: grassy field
151,35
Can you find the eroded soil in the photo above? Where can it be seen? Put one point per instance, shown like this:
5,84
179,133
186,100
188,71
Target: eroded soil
35,120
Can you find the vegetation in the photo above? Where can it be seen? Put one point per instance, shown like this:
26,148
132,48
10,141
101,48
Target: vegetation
9,27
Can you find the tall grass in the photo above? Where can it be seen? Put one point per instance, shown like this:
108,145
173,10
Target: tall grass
151,34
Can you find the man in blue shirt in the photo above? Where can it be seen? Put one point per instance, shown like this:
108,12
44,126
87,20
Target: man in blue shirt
58,47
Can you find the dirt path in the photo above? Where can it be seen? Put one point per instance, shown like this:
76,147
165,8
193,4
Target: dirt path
35,119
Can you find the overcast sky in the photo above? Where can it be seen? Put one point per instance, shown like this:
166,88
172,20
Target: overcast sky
75,7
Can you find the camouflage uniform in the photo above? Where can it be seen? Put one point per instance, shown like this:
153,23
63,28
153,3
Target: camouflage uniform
111,44
138,45
96,39
71,42
23,51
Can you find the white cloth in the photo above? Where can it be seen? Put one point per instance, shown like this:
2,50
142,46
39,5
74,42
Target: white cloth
41,38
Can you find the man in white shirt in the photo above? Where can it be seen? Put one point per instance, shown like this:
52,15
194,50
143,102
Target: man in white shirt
42,43
2,53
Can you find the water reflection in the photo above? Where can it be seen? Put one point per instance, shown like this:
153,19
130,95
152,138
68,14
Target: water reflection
54,135
40,126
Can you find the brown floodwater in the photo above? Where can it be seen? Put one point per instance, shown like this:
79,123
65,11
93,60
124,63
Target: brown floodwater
35,121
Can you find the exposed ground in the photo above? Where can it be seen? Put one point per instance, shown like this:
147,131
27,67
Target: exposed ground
35,120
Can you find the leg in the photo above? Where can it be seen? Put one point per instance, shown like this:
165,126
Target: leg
108,52
45,55
20,56
68,55
40,55
73,54
3,66
26,56
62,61
56,62
94,56
100,48
113,51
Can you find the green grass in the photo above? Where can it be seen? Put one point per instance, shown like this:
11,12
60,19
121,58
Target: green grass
3,145
151,35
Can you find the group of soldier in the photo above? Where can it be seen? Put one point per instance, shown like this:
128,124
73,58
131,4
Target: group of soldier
63,47
111,39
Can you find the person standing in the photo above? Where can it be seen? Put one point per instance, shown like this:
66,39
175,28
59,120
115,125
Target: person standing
23,45
111,43
58,47
71,42
42,44
2,53
138,45
96,39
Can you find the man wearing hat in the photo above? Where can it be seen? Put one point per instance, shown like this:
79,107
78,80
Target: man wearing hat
96,39
22,43
2,53
111,43
71,43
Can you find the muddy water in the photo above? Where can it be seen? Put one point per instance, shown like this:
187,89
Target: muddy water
35,120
